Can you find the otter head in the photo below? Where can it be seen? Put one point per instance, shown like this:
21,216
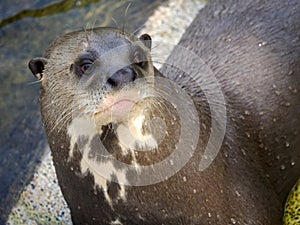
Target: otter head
104,65
100,68
98,84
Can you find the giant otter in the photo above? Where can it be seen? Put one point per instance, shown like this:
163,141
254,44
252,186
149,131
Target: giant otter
113,121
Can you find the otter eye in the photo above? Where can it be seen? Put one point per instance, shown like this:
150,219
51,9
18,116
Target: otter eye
85,66
139,60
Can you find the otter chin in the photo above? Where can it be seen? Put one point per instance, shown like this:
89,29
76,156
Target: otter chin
211,138
119,105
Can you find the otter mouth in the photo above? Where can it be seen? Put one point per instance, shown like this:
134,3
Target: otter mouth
120,107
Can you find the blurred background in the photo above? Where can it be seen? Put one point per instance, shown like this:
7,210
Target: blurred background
27,27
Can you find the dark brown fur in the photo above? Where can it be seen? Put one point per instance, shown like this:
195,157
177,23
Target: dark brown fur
253,49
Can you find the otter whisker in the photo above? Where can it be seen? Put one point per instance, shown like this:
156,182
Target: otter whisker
138,29
156,55
66,117
109,126
158,62
115,22
50,105
125,17
93,24
60,119
35,82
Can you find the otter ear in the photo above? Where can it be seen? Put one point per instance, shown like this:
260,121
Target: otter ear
37,66
146,39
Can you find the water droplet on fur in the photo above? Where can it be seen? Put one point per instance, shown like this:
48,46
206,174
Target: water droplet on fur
287,144
233,221
194,191
295,91
247,112
242,117
262,44
184,179
282,167
293,163
171,162
278,93
243,151
209,214
72,168
248,135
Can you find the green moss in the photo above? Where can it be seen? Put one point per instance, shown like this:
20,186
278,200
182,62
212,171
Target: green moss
292,208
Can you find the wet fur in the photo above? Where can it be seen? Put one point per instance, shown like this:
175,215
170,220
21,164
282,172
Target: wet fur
253,49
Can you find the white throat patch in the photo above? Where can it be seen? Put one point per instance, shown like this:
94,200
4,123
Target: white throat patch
83,128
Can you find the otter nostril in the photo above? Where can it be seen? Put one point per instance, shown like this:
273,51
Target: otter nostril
112,82
134,76
122,77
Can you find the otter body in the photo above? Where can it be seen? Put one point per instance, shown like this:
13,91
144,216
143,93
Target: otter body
101,96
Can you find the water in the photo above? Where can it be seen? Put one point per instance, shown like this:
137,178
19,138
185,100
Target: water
27,27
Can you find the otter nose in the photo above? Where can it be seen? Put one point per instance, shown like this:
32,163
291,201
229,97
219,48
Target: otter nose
122,77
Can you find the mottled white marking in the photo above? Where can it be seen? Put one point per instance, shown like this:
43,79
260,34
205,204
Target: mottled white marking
80,127
85,127
116,222
131,137
107,168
